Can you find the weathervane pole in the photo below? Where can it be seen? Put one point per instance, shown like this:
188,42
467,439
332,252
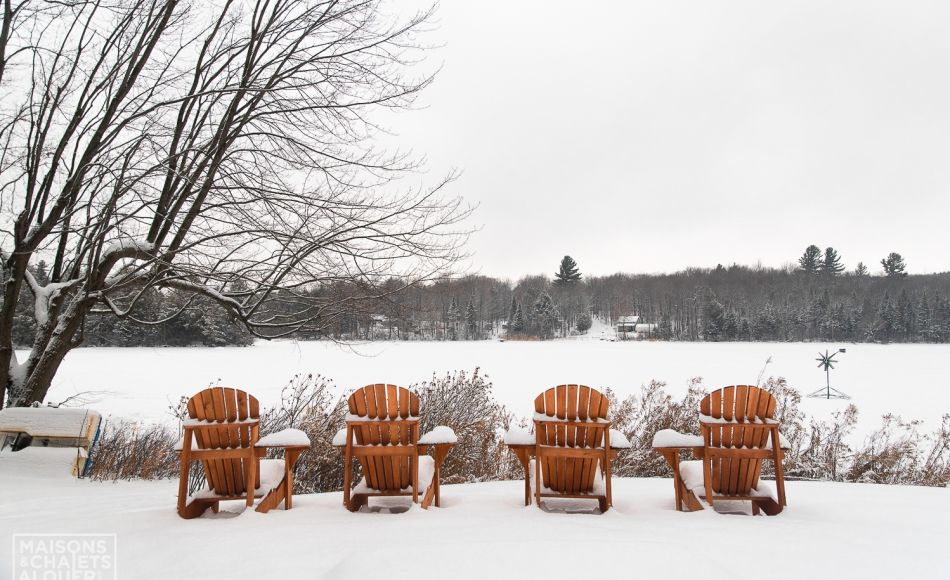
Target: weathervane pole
827,360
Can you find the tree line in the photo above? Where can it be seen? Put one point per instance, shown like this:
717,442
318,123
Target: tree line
807,302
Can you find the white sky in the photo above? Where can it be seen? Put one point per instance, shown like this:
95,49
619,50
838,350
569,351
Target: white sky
649,136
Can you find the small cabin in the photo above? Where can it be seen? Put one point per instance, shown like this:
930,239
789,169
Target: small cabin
627,324
22,427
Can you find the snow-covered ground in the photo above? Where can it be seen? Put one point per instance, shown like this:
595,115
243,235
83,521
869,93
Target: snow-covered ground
910,380
829,530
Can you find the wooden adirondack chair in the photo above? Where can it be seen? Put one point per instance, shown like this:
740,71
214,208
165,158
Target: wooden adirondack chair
382,433
225,426
572,437
739,432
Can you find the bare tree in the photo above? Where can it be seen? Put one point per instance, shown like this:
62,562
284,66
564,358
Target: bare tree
223,148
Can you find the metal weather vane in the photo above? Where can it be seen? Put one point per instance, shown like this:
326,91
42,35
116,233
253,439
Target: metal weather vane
827,361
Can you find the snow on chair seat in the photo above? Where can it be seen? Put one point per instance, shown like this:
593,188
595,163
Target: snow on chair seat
223,433
692,474
382,433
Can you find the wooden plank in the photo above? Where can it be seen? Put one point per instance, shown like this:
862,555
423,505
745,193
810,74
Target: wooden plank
742,397
728,403
604,402
213,471
382,408
370,392
414,405
217,400
583,466
392,401
561,401
404,397
571,435
715,404
549,406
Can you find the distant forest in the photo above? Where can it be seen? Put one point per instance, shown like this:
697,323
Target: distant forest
816,300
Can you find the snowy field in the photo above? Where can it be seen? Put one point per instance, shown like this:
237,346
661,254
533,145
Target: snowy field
910,380
829,530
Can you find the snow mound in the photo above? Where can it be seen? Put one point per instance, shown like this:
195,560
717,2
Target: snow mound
285,438
439,435
618,440
673,438
519,436
46,421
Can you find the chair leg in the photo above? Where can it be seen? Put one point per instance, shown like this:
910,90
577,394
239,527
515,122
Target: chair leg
537,478
251,474
183,486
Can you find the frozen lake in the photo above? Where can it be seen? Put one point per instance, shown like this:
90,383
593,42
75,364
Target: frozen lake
910,380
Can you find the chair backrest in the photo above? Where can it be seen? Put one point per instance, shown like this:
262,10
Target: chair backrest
385,415
229,407
734,421
572,409
388,406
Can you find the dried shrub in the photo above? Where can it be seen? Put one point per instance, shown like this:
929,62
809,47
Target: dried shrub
131,450
307,403
464,402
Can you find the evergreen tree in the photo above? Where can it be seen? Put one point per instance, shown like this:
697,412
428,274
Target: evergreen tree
886,320
810,262
894,266
924,320
831,265
861,271
471,319
517,321
584,322
568,272
453,317
545,315
512,310
713,320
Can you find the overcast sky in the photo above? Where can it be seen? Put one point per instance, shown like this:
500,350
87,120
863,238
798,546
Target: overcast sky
651,136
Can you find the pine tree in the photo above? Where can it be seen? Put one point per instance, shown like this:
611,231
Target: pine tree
810,262
545,315
512,310
924,320
886,320
831,265
861,270
568,272
713,320
894,266
471,319
518,321
453,316
584,322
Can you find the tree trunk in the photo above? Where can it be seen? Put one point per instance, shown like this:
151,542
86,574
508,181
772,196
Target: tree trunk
51,346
